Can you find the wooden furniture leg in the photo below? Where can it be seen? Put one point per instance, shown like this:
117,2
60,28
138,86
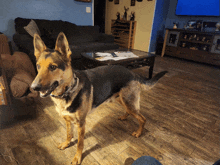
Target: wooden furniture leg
151,68
164,43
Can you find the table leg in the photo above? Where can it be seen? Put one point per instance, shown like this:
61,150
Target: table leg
151,72
151,68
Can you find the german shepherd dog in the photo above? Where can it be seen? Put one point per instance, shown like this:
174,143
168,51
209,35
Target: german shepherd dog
75,93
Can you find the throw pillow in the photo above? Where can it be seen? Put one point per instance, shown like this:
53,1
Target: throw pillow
32,28
20,72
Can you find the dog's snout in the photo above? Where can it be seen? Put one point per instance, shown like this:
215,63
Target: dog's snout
36,87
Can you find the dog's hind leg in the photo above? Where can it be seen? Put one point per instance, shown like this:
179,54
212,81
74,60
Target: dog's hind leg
69,129
130,98
124,117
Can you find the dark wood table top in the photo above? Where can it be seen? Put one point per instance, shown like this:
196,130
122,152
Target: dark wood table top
141,55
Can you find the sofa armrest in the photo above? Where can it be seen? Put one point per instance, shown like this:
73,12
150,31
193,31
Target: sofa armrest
105,38
24,42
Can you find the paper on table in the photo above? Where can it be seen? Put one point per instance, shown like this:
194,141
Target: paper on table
118,56
125,54
104,58
101,54
110,58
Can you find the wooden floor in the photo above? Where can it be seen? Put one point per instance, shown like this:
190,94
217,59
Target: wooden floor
182,128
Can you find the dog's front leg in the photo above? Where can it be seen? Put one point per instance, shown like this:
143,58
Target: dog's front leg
78,156
69,129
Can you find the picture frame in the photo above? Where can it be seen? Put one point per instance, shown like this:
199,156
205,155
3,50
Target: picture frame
84,0
173,38
133,2
216,44
116,2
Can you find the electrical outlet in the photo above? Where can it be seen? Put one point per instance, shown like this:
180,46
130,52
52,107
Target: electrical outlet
88,9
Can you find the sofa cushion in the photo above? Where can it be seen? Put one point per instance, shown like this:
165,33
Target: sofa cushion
105,38
93,46
83,34
80,37
46,27
4,46
53,28
20,23
32,28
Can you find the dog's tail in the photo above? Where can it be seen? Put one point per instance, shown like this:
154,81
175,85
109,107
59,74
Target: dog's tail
148,84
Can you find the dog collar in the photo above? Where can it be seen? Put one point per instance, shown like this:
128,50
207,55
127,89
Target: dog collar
69,90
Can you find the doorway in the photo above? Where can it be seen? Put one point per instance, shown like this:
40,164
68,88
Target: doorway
99,14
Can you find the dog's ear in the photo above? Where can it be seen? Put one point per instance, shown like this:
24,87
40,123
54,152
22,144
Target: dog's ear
62,46
39,46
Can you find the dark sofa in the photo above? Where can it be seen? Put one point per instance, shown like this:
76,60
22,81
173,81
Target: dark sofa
80,38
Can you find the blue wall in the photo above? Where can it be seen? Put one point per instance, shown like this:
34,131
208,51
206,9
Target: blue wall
160,15
66,10
171,17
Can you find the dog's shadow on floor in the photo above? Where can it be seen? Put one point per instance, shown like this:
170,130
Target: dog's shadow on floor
108,130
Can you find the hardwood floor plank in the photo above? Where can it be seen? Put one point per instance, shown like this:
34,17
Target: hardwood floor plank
190,109
103,156
6,154
129,153
42,140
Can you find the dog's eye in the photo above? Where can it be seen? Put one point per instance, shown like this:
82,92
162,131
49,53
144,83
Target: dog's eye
52,67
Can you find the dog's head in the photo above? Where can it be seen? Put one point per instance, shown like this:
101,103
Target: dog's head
53,66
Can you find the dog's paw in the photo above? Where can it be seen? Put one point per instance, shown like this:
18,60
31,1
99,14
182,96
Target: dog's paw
63,145
123,117
136,134
76,160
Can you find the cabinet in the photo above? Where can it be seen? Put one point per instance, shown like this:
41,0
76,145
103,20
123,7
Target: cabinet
193,45
6,111
124,32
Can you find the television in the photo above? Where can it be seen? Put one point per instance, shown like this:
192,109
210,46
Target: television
198,7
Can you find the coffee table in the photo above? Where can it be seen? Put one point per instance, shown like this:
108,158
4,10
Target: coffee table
90,60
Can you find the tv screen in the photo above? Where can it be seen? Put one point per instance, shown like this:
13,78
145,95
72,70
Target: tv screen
198,7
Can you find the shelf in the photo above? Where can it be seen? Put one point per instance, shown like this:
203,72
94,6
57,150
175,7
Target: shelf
184,44
124,32
122,45
123,21
121,41
120,29
198,42
122,25
122,36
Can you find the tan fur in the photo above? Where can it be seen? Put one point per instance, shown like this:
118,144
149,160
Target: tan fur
130,99
69,129
39,46
62,45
